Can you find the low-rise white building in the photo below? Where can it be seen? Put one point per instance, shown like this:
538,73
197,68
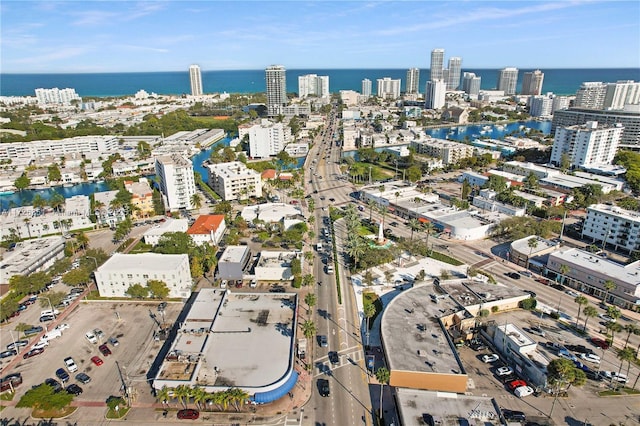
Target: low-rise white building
275,265
208,229
613,225
31,256
121,271
153,235
270,213
233,262
234,181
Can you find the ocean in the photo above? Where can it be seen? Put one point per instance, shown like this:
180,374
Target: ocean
558,81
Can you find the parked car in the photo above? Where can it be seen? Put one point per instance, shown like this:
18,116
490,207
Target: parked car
490,358
114,341
512,415
504,371
47,318
188,414
33,331
17,345
614,376
601,343
538,331
323,387
96,360
322,341
33,352
513,275
57,387
516,384
83,378
91,337
162,306
591,358
572,293
606,318
70,364
62,327
62,374
277,289
523,391
104,350
74,389
8,353
10,381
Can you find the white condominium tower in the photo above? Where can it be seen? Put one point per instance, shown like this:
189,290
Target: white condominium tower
435,94
437,64
621,93
413,80
388,88
177,183
471,84
453,73
276,89
313,85
507,80
591,95
57,96
586,145
196,80
366,87
532,83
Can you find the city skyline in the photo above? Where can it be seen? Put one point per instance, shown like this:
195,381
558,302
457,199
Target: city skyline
64,37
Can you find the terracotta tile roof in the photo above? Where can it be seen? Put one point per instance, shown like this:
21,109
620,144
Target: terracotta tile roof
269,174
206,223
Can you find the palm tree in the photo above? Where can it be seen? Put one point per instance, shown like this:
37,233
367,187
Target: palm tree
608,286
414,225
627,355
369,310
164,394
199,396
427,228
613,312
183,393
239,397
630,329
310,299
581,301
371,205
368,277
308,329
355,248
388,275
82,240
564,269
614,328
532,243
196,201
382,375
27,222
589,312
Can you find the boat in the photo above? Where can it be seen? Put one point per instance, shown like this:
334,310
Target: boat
6,192
486,128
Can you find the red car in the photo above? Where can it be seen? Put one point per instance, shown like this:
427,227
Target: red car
96,360
516,384
104,350
601,343
188,414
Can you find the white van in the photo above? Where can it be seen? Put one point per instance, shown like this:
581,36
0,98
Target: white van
49,312
50,335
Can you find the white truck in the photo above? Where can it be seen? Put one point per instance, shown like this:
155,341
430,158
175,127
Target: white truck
302,348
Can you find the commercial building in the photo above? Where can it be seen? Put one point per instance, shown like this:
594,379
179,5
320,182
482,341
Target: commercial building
270,213
507,80
141,198
630,120
234,181
388,88
276,82
233,262
275,265
413,80
245,341
195,77
586,145
313,85
471,84
177,182
208,229
435,94
121,271
367,88
532,83
437,65
588,273
152,235
614,226
523,252
31,256
454,72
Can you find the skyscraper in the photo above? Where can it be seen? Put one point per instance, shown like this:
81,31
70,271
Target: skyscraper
313,85
196,80
621,93
413,80
532,83
507,80
276,79
453,74
366,87
435,94
388,88
471,84
437,64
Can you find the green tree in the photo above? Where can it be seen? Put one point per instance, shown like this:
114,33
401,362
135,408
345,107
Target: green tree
308,329
76,277
43,397
382,375
415,225
196,201
589,312
53,173
631,328
38,202
164,395
174,243
625,355
414,174
82,240
561,374
496,183
137,291
183,394
158,289
310,299
581,301
22,182
609,286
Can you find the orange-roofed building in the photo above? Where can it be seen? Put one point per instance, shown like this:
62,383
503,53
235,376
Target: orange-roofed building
269,174
208,229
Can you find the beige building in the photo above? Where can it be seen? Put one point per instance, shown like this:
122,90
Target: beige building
449,152
141,198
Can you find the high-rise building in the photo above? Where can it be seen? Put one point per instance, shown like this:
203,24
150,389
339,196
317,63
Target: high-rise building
630,120
435,94
621,93
532,83
471,84
313,85
266,138
177,183
437,64
453,73
196,80
541,106
57,96
388,88
586,145
559,103
366,87
507,80
276,80
591,95
413,80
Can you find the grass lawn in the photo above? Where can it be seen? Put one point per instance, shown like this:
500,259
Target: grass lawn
53,414
113,414
370,298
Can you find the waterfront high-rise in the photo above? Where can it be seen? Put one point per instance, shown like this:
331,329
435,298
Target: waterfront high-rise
435,94
630,120
388,88
541,106
532,83
507,80
57,96
591,95
276,80
453,73
413,80
366,87
437,64
195,76
621,93
471,84
586,145
313,85
176,181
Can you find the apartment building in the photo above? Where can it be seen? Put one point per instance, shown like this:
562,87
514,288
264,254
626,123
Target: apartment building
388,88
586,145
629,119
313,85
31,256
266,138
448,151
141,198
208,229
507,80
58,148
177,182
612,225
532,82
121,271
234,181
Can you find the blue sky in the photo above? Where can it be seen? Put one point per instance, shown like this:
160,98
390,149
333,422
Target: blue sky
117,36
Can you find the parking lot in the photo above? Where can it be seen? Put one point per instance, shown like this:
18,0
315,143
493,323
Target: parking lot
129,322
583,403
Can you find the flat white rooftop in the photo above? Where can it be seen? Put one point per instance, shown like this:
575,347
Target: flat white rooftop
120,262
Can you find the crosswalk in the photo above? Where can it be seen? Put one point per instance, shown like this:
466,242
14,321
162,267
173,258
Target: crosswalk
349,356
